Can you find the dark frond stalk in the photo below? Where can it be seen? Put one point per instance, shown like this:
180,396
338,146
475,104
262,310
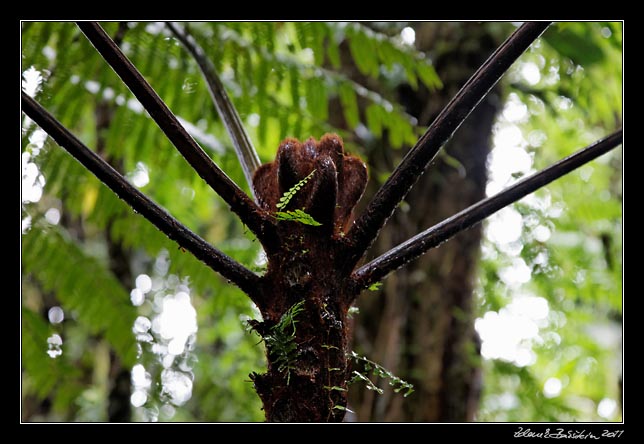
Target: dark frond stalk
400,255
381,207
249,213
171,227
244,148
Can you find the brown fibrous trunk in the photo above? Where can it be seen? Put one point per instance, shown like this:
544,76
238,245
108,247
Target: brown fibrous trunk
306,266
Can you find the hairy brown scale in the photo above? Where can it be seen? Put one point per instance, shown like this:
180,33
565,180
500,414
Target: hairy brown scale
333,191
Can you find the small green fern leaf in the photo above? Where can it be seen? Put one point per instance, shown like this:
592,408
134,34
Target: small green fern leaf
286,198
344,409
357,376
335,387
375,286
280,341
297,216
395,382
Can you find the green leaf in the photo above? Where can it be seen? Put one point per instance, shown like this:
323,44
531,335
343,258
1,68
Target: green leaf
410,71
294,78
333,52
396,130
265,35
349,105
374,119
363,53
316,98
397,383
336,388
344,409
318,30
375,286
428,75
576,43
303,32
297,216
262,128
388,54
280,341
288,195
370,385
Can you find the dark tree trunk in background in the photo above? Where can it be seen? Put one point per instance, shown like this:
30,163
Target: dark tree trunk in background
420,325
119,408
119,392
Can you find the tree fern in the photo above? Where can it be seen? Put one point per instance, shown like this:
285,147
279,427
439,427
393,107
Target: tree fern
288,81
132,137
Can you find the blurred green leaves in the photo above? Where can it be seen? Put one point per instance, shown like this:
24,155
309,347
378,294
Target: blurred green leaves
97,298
577,266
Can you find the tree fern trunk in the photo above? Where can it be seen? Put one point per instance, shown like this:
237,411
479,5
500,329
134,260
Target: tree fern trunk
309,382
306,292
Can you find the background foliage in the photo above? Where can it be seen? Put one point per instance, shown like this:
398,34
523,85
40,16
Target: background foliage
287,79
